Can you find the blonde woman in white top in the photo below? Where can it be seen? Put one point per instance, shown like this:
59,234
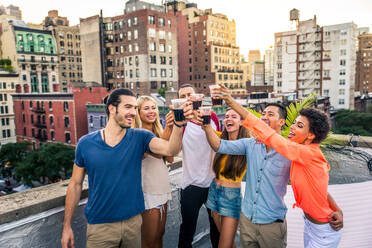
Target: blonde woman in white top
155,178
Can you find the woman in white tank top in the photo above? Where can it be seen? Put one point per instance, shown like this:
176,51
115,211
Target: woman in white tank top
155,178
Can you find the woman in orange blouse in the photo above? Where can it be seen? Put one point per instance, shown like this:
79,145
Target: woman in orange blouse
309,170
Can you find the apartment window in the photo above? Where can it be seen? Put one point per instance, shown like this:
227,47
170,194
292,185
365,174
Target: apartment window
135,20
152,46
341,92
135,34
343,62
52,136
169,48
51,120
137,73
169,23
129,23
152,33
343,42
68,138
162,47
153,72
342,82
341,101
136,47
163,60
65,106
154,85
170,60
171,73
163,73
343,52
162,34
169,36
151,19
342,72
129,35
161,22
67,122
152,59
163,84
130,48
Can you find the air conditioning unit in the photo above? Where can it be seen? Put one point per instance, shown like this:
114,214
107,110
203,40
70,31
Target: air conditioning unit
91,124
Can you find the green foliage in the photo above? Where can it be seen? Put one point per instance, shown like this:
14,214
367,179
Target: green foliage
293,111
6,64
14,152
53,161
254,112
162,91
350,121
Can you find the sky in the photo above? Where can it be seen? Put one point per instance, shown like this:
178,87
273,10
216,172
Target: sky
256,20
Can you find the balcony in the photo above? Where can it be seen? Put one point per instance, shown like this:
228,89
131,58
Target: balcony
40,124
38,110
41,138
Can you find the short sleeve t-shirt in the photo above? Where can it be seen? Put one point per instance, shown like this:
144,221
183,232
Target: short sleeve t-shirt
114,175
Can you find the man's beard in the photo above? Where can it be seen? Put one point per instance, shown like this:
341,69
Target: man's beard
120,123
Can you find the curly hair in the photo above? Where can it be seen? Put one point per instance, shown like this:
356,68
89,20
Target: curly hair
319,123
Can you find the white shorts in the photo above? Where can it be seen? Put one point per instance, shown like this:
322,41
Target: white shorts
156,200
320,236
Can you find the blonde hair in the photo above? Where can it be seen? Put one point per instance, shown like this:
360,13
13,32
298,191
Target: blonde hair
157,129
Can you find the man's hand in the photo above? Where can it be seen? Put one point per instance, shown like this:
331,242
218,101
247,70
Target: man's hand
187,112
67,240
336,220
169,119
225,94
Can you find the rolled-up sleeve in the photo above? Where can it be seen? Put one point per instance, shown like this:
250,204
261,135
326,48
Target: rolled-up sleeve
289,149
235,147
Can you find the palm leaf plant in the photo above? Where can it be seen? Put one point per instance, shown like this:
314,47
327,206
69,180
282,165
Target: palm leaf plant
293,110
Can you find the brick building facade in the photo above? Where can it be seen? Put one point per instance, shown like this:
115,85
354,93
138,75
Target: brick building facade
137,50
55,117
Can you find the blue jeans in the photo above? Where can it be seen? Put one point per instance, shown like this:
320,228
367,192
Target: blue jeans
224,200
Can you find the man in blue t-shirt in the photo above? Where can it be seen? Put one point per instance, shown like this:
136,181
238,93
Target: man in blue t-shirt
112,159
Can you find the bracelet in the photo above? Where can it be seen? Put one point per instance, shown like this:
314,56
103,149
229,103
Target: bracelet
183,125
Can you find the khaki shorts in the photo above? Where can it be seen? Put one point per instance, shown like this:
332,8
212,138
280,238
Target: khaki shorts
272,235
126,233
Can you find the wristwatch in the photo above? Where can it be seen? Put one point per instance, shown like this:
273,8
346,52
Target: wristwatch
182,125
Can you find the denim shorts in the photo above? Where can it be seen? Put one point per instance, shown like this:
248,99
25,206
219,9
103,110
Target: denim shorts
224,200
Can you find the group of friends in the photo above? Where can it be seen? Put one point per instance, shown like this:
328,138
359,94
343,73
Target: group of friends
129,184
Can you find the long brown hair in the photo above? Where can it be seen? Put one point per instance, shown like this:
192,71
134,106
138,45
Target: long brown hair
235,164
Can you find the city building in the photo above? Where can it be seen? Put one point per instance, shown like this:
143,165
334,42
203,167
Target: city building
68,48
254,55
137,50
208,53
55,117
8,80
269,66
33,54
257,72
315,59
11,10
364,64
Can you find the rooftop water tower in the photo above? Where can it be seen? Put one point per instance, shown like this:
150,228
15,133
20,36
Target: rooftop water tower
294,18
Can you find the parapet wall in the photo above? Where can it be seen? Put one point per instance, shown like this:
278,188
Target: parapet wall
33,218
